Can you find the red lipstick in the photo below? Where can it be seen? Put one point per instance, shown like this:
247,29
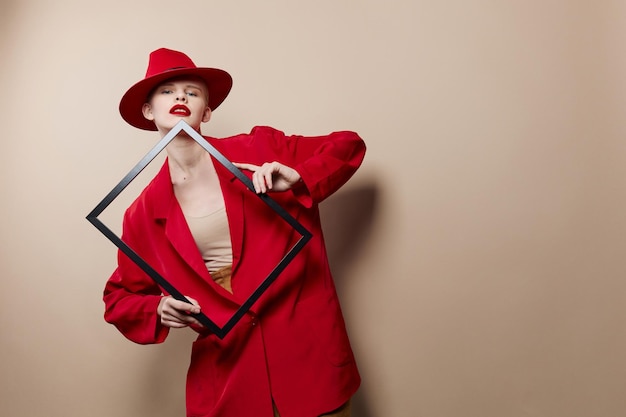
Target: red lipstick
180,110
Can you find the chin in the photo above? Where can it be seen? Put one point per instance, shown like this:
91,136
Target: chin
166,127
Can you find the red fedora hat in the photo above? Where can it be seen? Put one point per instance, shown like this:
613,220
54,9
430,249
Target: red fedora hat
165,64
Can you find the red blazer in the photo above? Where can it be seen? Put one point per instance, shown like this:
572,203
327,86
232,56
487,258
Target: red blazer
292,347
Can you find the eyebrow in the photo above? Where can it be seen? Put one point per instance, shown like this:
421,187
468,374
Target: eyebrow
186,86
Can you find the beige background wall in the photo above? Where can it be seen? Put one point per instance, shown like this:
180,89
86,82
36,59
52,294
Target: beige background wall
479,252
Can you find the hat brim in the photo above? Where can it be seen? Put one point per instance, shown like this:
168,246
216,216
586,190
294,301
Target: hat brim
218,82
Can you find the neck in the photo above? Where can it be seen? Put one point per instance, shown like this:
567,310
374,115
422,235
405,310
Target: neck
185,156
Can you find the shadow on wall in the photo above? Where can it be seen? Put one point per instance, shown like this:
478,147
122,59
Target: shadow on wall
347,217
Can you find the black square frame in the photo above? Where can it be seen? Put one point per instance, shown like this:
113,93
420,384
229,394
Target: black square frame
220,332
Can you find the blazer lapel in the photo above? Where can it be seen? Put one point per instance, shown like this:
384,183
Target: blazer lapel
234,203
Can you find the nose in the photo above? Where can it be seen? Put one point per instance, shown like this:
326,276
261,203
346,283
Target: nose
181,96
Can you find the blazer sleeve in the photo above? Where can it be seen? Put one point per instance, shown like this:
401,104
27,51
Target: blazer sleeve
131,297
325,163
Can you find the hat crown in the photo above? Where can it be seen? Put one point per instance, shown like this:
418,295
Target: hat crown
163,60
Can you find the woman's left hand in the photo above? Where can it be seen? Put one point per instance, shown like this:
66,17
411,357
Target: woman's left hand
271,176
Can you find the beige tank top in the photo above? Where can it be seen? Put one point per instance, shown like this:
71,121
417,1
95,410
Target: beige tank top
212,237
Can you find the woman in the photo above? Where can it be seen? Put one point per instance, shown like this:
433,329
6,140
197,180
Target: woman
215,241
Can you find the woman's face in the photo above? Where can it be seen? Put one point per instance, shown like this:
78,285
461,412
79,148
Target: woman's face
176,99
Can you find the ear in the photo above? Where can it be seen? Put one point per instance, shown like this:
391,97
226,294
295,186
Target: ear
207,115
146,109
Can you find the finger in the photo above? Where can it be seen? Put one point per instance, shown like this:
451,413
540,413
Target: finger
172,318
175,324
193,301
249,167
176,318
193,310
178,313
268,175
184,307
178,323
258,182
265,177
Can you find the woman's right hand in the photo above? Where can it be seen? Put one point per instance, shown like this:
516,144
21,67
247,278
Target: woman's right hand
177,314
